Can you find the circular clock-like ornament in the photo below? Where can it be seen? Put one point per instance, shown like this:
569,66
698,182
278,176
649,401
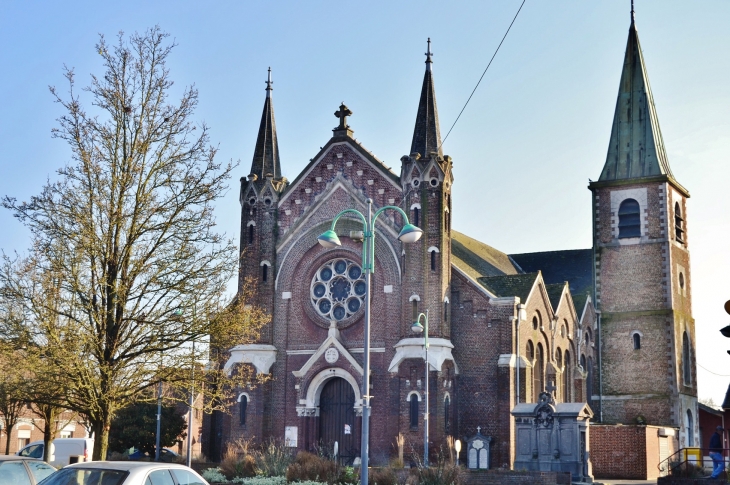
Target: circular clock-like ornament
338,289
331,355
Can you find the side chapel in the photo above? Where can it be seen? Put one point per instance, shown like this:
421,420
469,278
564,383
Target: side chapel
609,325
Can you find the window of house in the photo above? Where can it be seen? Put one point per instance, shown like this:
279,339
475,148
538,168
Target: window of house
535,323
681,280
433,260
637,341
242,408
583,362
690,429
250,234
414,305
414,411
686,360
416,220
678,223
567,378
265,273
447,409
538,373
629,219
446,312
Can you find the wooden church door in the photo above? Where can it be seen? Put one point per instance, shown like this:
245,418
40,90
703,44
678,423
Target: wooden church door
337,419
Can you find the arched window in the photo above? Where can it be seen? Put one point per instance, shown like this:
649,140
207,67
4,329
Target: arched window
686,360
637,341
690,429
447,410
413,414
678,223
416,212
250,234
242,408
446,312
583,362
559,362
265,273
530,354
589,382
538,373
567,378
433,260
414,306
629,219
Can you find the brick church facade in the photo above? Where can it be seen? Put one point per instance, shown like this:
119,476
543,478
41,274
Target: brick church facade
609,325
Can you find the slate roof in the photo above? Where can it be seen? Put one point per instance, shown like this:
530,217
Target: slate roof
555,291
266,153
509,285
477,259
426,133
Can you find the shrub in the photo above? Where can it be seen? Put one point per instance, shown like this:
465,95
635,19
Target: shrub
310,467
274,459
214,475
235,465
443,473
382,476
261,480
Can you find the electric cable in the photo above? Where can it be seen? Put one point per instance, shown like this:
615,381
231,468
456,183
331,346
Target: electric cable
485,71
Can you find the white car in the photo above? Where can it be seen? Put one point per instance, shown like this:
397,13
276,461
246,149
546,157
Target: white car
125,473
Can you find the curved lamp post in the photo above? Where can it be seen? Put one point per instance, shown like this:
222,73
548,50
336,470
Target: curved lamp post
418,328
328,239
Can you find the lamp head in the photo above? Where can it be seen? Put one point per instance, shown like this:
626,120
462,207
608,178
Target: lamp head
417,327
457,445
410,233
725,331
329,239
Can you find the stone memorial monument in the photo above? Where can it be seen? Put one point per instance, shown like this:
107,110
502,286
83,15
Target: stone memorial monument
553,437
477,451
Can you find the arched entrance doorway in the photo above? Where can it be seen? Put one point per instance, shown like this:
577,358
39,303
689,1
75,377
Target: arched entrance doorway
337,419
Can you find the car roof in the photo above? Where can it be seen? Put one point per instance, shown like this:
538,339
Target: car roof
17,457
126,465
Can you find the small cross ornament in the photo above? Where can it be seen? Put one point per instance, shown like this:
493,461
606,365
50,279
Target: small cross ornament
479,430
551,387
342,114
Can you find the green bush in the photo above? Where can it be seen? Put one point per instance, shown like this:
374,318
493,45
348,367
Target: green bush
261,480
274,459
214,475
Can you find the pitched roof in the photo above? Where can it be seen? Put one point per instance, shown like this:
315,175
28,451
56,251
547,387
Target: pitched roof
509,285
427,133
266,153
478,259
574,266
555,291
636,148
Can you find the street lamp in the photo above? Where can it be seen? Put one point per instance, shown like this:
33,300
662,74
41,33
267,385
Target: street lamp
328,239
457,447
418,328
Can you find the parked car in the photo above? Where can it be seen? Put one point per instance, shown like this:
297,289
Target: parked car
166,455
21,470
125,473
64,451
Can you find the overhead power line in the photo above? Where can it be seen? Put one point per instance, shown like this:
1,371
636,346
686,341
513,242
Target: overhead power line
715,373
485,71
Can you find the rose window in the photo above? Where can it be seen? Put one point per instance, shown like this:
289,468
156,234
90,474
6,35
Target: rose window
338,289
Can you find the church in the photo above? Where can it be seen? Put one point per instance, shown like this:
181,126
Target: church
610,325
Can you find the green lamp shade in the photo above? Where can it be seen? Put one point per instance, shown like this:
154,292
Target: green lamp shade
417,327
329,239
409,233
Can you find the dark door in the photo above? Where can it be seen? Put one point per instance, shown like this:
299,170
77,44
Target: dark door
337,419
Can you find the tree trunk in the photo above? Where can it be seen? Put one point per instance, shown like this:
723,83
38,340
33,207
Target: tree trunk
49,414
101,438
7,440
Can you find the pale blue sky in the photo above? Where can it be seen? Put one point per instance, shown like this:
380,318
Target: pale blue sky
535,132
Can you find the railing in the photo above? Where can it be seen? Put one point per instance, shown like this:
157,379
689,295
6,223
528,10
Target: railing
691,463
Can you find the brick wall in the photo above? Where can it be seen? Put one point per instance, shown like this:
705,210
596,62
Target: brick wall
497,477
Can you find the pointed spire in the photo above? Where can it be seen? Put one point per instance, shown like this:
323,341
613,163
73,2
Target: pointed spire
427,134
266,154
636,148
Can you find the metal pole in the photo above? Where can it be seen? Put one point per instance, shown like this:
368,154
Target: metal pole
425,416
366,352
159,419
189,459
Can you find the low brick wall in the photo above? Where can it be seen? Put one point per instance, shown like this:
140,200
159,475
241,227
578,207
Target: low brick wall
521,477
628,451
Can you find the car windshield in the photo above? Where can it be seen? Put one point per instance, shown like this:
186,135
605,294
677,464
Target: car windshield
85,476
35,451
40,470
13,472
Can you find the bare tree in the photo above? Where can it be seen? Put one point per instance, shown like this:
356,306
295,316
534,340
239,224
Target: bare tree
126,270
13,398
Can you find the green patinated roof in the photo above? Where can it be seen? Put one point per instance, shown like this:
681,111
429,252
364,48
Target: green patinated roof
636,148
477,259
509,285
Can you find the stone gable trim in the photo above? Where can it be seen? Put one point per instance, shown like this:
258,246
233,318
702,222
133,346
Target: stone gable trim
584,312
330,341
412,348
389,176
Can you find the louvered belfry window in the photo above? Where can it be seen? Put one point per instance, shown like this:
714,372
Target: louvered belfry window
629,219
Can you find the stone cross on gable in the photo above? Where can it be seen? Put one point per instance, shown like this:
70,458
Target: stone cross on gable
551,387
479,430
342,114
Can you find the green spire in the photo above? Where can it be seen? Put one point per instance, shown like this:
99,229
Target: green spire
636,148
